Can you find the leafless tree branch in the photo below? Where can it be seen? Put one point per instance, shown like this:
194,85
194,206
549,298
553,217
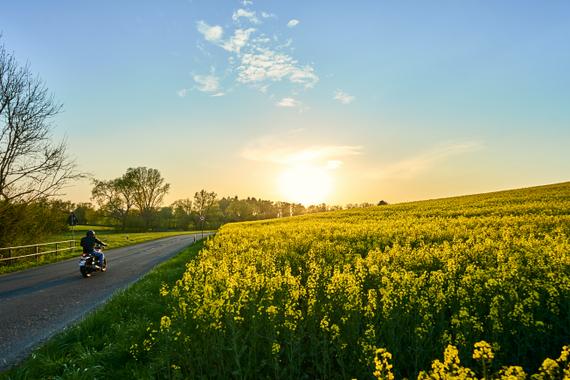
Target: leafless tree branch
32,166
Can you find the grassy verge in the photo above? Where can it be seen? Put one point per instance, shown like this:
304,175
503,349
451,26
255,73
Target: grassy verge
113,239
99,346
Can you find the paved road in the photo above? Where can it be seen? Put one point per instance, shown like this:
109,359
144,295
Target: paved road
37,303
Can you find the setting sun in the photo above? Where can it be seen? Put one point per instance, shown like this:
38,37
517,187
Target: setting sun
306,184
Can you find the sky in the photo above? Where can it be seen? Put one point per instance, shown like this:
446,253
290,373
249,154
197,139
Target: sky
306,101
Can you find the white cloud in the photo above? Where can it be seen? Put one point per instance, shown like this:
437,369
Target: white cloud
247,2
410,167
238,40
248,15
182,92
293,23
343,97
210,33
208,83
258,59
268,65
288,102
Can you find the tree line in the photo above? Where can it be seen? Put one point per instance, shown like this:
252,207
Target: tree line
133,202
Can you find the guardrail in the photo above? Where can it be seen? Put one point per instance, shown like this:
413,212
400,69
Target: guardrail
6,254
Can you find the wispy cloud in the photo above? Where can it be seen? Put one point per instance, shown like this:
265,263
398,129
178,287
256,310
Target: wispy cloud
182,92
293,23
410,167
343,97
288,102
326,156
208,83
248,15
274,150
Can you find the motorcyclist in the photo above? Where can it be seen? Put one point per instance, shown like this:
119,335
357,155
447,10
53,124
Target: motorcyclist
88,243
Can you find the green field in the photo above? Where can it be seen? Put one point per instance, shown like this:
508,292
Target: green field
360,293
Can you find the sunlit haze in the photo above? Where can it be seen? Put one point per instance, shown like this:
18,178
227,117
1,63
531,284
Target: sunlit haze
310,102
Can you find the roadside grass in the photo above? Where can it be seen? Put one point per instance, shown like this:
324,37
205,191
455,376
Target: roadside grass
99,346
113,239
86,227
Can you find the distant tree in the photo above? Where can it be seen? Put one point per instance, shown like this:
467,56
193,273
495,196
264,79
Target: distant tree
240,209
184,205
284,209
382,203
33,222
182,210
114,198
298,209
165,218
85,213
267,209
148,190
203,202
31,165
317,208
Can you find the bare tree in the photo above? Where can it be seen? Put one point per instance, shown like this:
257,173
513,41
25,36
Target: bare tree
203,201
148,190
32,166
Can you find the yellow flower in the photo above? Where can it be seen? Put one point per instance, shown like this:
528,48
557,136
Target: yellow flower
165,323
275,348
383,368
483,351
512,373
549,368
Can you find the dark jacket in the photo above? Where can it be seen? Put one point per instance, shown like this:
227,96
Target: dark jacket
88,243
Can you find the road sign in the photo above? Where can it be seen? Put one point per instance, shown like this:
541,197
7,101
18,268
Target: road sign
202,218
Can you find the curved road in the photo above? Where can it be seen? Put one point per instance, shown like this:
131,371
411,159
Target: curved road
39,302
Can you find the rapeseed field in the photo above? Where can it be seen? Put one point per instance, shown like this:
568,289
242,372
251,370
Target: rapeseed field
465,287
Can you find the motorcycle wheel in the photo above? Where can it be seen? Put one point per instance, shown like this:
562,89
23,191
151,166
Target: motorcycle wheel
84,272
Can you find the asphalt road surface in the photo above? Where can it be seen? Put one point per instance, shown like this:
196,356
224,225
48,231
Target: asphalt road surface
39,302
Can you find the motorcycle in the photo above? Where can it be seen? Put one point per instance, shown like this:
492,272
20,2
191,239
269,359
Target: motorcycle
88,263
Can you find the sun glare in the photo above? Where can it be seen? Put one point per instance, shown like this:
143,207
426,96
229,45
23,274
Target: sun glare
305,184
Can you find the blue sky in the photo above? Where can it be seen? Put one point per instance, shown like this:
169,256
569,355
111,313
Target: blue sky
373,99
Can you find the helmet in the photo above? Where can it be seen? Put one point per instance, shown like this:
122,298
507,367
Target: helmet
90,233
